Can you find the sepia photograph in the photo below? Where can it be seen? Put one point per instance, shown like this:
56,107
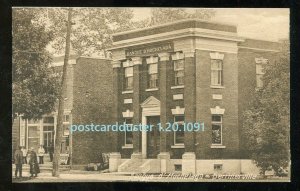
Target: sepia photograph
107,94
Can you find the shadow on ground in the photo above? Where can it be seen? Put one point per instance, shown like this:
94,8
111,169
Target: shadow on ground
23,179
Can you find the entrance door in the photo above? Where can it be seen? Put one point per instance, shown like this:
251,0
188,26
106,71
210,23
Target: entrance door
153,137
48,137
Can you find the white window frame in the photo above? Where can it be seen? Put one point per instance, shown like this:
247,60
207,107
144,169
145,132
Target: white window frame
219,72
150,74
125,134
178,70
65,122
221,127
126,78
180,123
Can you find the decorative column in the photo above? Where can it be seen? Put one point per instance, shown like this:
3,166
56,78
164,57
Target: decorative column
136,101
164,63
189,157
115,156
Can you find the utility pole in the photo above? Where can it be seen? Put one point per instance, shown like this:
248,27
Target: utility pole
60,117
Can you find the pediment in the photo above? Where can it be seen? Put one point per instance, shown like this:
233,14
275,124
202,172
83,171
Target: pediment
151,102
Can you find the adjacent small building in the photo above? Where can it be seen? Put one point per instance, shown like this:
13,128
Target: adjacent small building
87,99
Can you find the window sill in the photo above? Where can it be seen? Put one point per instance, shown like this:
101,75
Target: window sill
217,87
177,87
151,89
127,92
177,147
217,146
127,147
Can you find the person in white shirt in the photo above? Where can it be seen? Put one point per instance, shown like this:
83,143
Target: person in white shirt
40,154
24,151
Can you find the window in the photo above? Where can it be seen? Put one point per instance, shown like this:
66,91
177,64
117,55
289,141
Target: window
178,167
33,121
179,134
48,128
128,134
152,75
179,72
66,125
216,129
259,74
128,78
66,118
66,128
48,120
33,137
218,167
216,72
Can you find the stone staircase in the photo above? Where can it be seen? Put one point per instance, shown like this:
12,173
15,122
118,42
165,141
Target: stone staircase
135,166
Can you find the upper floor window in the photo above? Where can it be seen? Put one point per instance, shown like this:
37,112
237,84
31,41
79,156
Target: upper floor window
179,134
129,78
216,125
216,72
67,118
152,76
48,120
179,72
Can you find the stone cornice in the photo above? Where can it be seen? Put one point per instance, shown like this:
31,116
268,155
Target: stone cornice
189,32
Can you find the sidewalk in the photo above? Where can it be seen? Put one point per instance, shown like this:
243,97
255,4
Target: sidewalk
96,176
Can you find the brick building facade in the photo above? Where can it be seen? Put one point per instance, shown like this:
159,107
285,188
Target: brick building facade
185,72
87,100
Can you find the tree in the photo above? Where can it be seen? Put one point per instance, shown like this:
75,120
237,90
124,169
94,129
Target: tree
267,122
92,32
60,116
34,87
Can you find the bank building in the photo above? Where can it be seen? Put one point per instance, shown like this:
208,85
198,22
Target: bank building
182,72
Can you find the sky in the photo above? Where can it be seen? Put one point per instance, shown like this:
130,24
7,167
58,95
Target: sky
260,23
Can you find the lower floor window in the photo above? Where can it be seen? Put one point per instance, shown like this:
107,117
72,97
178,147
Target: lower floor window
128,134
218,167
179,134
216,129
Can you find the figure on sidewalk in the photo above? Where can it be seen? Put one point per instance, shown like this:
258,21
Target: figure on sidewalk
18,158
51,150
41,153
24,151
34,166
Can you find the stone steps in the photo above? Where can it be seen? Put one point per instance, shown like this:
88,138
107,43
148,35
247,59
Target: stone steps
132,166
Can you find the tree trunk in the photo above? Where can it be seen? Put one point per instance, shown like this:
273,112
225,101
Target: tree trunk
59,127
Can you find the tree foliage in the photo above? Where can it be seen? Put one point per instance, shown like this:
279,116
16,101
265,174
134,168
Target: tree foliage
91,30
93,27
267,122
34,87
165,15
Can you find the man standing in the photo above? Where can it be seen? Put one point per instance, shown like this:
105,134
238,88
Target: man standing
41,152
51,150
24,151
18,157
